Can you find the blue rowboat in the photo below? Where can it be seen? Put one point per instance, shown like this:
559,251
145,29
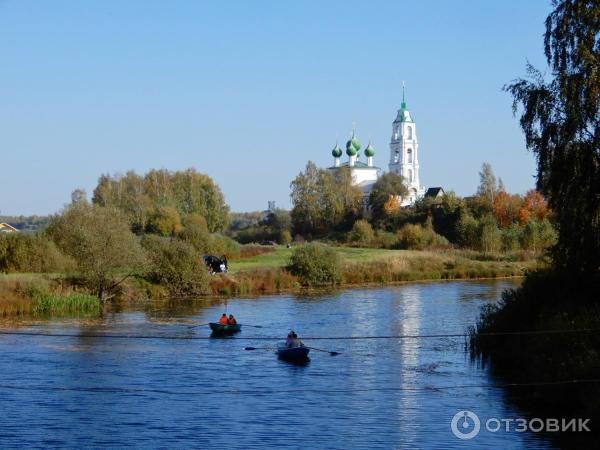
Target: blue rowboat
292,353
218,328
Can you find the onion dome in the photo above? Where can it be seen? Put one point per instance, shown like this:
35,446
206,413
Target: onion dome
337,151
352,146
350,150
369,151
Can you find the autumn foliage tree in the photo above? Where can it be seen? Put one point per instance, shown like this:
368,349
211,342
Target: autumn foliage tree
534,207
506,208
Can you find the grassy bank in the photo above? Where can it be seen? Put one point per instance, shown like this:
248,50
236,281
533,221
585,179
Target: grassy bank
263,272
40,295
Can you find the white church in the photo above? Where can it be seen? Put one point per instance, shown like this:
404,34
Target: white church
404,157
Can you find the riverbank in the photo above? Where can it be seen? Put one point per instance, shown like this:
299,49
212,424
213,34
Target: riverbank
265,273
547,300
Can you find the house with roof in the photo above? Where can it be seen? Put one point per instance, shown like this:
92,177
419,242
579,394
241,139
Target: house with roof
7,228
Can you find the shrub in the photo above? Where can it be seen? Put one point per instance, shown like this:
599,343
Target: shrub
412,237
176,265
285,237
315,265
417,237
385,239
361,233
30,253
197,236
223,246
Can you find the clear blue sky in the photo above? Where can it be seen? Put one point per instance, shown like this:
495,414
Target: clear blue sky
249,91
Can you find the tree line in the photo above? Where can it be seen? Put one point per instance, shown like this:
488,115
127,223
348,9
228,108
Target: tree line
155,227
326,205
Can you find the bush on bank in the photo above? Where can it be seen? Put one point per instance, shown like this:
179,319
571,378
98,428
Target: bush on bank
315,265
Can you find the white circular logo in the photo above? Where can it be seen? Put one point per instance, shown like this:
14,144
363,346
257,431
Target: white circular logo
465,425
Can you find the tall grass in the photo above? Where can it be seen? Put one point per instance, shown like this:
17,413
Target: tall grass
38,296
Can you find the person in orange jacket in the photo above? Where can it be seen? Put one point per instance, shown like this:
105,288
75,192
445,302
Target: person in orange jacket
231,320
223,319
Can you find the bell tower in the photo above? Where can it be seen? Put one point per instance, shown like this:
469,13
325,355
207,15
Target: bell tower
404,152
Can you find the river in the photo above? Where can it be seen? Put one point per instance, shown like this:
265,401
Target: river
97,392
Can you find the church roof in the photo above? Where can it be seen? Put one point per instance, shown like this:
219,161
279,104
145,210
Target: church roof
434,192
403,114
357,165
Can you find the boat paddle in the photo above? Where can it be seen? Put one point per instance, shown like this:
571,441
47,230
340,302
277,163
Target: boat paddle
254,326
258,348
198,325
325,351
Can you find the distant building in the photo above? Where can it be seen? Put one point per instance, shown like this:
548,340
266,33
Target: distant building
404,153
435,192
364,175
404,158
6,228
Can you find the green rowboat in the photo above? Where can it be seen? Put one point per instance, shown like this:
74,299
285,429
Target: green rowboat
218,328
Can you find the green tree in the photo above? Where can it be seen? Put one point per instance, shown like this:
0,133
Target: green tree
467,230
387,186
560,118
537,235
188,192
323,201
100,241
489,236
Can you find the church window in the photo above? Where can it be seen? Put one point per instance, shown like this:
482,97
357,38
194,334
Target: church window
409,157
396,156
409,129
410,175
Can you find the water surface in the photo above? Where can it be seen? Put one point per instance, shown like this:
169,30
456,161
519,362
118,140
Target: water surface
382,393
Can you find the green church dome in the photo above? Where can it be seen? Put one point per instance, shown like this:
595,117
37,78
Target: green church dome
369,151
337,151
350,149
352,146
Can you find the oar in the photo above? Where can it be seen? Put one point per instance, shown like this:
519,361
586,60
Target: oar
258,348
246,325
199,325
325,351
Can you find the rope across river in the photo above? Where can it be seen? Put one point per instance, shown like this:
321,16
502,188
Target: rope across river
279,338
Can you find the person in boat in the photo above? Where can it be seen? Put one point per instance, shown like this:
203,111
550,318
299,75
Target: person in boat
298,341
293,341
223,319
231,320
